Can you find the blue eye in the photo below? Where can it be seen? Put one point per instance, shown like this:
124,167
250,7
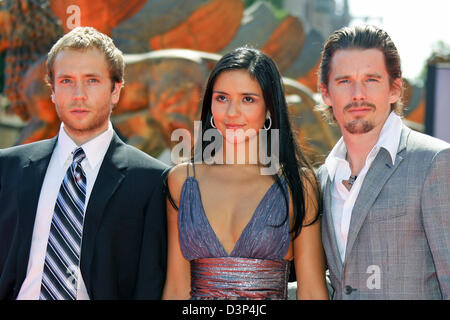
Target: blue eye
65,81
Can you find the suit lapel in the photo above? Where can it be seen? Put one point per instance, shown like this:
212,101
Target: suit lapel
111,174
329,235
30,188
377,176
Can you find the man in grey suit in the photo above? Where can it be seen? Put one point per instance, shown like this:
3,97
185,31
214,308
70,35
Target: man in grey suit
386,188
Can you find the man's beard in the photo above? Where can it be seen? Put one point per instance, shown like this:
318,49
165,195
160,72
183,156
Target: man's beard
359,125
93,125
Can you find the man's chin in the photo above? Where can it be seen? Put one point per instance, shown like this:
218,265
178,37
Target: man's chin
84,130
358,127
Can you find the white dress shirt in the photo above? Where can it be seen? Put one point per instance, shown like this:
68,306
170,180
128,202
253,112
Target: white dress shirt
342,199
60,161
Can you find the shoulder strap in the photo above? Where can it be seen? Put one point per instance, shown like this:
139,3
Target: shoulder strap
193,168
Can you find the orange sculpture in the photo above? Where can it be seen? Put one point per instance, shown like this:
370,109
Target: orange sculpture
210,28
102,15
164,85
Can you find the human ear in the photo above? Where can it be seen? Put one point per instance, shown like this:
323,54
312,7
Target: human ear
115,95
325,94
396,90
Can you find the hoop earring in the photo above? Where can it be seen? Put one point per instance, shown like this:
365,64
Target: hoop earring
270,124
212,123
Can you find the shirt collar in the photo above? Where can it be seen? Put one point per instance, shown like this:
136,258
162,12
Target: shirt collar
389,139
95,149
336,155
390,135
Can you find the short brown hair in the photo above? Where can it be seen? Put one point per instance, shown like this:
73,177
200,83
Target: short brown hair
83,38
360,37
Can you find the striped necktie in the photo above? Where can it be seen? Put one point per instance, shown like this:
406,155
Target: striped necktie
62,260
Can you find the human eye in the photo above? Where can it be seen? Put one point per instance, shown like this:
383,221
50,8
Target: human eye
248,99
343,81
93,80
373,78
220,98
64,81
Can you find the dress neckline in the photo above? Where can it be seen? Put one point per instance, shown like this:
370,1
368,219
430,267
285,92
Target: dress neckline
246,228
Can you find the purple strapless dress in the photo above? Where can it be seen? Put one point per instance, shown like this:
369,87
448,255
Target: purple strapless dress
255,269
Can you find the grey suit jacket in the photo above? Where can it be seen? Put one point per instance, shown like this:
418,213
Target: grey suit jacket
399,238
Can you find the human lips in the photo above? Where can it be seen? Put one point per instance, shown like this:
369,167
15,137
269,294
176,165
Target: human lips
233,126
79,111
359,109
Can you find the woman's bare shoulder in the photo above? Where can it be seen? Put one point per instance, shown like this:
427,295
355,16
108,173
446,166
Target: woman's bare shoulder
177,176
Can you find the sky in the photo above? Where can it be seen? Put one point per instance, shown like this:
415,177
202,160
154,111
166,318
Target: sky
413,25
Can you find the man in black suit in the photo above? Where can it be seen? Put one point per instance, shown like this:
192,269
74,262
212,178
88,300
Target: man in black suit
82,215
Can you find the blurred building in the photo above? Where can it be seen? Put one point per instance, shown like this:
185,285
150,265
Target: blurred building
324,16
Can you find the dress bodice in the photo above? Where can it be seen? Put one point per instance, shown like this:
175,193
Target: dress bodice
255,269
266,235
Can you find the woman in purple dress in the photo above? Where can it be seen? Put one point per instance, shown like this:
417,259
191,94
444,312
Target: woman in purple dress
238,217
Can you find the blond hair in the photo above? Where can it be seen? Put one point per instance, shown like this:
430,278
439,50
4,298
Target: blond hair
83,38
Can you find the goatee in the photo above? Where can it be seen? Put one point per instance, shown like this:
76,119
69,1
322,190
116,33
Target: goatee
359,125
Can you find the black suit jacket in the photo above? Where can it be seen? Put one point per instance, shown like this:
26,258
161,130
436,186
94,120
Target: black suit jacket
124,246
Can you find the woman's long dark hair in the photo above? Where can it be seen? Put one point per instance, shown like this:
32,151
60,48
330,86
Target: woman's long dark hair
292,161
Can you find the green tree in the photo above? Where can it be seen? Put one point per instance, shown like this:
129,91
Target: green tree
277,6
276,3
440,52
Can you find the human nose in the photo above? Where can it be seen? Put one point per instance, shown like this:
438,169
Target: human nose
79,91
233,109
359,92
